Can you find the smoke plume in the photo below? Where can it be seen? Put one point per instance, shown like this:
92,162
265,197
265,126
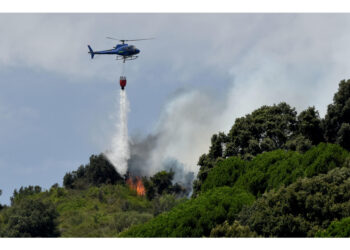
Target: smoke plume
182,134
119,152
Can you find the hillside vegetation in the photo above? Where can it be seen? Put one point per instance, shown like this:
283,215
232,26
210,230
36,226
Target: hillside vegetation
276,173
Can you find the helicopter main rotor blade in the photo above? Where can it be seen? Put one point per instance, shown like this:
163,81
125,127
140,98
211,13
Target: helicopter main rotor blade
141,39
125,40
113,38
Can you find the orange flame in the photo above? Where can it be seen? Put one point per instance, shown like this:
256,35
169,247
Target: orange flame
137,185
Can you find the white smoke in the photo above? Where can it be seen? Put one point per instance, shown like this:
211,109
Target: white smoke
119,152
183,134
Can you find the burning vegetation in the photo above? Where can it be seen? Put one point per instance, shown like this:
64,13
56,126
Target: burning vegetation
135,183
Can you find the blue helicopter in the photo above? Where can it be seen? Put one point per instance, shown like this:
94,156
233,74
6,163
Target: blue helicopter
123,51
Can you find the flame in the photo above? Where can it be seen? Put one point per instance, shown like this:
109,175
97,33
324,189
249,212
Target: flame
137,185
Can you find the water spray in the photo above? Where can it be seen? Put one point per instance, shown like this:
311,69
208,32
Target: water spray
119,153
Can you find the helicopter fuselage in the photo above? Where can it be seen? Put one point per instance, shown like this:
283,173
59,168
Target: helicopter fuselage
123,50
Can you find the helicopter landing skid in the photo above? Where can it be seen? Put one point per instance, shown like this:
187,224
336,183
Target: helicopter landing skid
129,58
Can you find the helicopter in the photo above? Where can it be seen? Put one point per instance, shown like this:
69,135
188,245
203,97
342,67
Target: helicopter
123,51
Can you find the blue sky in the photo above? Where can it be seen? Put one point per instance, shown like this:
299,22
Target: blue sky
200,73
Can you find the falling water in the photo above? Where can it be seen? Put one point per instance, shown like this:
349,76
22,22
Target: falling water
119,153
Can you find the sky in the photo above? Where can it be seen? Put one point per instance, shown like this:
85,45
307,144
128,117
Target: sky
57,106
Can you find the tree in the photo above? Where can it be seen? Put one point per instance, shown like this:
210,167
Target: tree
266,128
30,218
298,143
343,136
162,183
310,125
101,171
338,112
24,192
150,188
68,180
98,171
215,150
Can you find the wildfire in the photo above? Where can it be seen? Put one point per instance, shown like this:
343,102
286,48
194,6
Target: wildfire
136,184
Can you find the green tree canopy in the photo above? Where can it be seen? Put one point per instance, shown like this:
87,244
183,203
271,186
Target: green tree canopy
273,169
98,171
277,123
195,217
301,209
30,218
338,113
162,183
24,192
309,123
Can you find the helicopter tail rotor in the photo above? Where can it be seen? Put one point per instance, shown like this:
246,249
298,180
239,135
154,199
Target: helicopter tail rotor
91,52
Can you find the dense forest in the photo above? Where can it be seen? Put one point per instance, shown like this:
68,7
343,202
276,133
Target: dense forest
276,173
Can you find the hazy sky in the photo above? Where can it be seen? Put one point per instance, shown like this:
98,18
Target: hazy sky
200,73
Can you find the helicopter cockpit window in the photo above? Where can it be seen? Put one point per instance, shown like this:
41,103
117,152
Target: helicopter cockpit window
132,47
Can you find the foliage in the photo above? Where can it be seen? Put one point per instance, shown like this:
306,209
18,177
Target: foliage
161,183
274,169
276,123
336,229
338,113
24,192
298,143
278,127
100,211
309,123
234,230
301,209
98,171
343,136
265,129
225,173
195,217
216,149
165,203
30,218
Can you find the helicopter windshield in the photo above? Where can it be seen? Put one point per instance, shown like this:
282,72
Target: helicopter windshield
132,47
